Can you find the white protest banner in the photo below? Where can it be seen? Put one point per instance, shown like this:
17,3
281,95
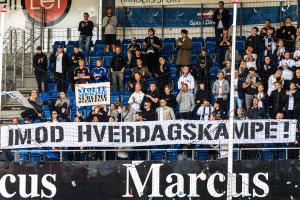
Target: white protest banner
92,94
16,95
145,133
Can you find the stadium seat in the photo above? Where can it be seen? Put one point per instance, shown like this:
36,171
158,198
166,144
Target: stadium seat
210,46
98,42
93,61
201,154
107,60
44,96
267,155
157,155
197,44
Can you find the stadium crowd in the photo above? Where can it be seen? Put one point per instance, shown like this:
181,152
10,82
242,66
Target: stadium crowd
266,80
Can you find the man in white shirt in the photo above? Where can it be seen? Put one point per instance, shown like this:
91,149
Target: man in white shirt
287,62
273,79
186,78
60,67
136,98
205,110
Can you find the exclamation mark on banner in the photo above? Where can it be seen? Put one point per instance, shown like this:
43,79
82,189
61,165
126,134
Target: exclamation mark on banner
286,130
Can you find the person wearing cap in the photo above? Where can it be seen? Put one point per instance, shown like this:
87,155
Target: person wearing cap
40,64
99,73
81,73
221,18
184,47
152,45
86,33
109,23
132,49
250,85
61,65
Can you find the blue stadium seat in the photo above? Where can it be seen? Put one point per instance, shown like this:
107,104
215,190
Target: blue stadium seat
168,48
240,45
128,74
98,42
52,88
197,44
107,60
201,154
93,61
157,155
44,96
47,115
70,49
194,58
99,48
210,46
267,155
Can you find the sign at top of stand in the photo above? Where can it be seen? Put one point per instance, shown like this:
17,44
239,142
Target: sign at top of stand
145,3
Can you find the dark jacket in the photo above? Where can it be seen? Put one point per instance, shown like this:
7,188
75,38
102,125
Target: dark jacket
255,42
277,101
296,96
65,63
171,100
42,65
149,115
225,18
118,62
256,113
86,30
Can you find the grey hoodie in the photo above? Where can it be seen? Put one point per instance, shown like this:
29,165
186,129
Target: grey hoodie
186,101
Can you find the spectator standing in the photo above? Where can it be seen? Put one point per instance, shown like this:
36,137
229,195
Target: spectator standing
110,30
136,98
289,34
186,78
267,26
255,41
149,114
203,65
277,76
82,73
224,43
86,33
250,58
137,79
113,112
117,68
184,48
239,94
162,74
288,66
169,97
279,51
61,66
140,68
186,102
127,114
228,55
256,112
205,110
269,43
296,79
250,86
268,68
152,46
40,65
99,73
277,99
132,48
292,104
164,112
221,90
152,96
77,54
221,18
262,97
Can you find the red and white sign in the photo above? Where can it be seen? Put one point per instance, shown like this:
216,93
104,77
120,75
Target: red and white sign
52,11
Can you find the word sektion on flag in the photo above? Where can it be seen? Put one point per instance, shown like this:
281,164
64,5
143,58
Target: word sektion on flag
92,94
145,134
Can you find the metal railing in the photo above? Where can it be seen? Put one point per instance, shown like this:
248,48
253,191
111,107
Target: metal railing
175,152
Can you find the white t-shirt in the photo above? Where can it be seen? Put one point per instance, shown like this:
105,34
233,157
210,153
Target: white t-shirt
59,63
236,94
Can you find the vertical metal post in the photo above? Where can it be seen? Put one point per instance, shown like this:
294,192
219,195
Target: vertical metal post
5,68
125,22
230,175
11,40
41,26
15,55
241,19
162,22
69,34
23,57
298,12
48,40
280,11
32,43
201,27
